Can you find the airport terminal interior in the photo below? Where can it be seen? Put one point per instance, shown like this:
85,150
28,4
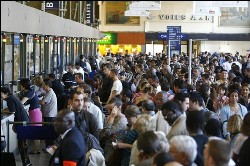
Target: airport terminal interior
127,83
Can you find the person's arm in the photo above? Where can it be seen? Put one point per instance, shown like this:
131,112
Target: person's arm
224,119
112,95
24,99
124,145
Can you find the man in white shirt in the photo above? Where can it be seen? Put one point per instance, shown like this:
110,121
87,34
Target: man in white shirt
92,108
78,69
227,65
117,84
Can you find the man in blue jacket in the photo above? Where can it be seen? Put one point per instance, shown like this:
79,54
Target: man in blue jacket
71,148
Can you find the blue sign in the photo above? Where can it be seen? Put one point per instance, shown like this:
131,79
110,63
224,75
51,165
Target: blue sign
174,38
162,36
51,5
174,32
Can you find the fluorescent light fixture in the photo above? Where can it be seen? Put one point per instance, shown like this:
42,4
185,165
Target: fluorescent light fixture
136,13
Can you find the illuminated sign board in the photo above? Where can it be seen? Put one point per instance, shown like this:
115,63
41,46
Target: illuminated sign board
109,38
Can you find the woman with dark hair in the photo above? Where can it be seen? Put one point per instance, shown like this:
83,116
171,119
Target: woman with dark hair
233,107
30,97
205,93
245,96
15,106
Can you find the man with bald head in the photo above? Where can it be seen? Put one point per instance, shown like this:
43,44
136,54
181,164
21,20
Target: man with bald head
71,149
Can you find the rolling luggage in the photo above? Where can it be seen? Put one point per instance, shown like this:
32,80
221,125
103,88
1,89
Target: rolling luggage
7,158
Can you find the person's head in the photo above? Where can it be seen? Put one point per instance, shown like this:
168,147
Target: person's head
224,74
114,73
222,90
64,120
170,111
77,65
87,101
195,122
132,112
245,89
165,85
217,152
76,101
52,76
209,115
78,77
85,89
142,123
148,106
148,145
213,128
183,149
153,80
233,95
205,78
245,128
126,95
183,99
5,92
204,90
196,72
146,87
139,68
115,102
106,69
195,101
161,98
179,85
47,84
162,158
70,68
38,81
97,79
247,70
234,124
25,84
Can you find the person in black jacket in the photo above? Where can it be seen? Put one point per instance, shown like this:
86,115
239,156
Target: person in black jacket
105,90
87,120
71,148
15,106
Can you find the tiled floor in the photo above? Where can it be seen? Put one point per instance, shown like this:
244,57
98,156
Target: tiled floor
41,159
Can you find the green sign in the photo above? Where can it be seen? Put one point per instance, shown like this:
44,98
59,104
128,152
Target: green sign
109,38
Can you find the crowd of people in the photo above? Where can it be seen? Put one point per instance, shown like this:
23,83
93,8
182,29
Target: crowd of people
137,109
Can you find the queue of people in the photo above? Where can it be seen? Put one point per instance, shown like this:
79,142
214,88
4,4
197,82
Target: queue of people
142,111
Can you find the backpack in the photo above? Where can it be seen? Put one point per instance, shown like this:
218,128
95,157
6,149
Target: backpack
91,142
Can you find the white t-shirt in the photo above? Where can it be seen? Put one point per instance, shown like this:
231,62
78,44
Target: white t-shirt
97,114
117,85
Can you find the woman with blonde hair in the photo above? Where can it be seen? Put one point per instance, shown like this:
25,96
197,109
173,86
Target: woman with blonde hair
146,90
38,82
233,126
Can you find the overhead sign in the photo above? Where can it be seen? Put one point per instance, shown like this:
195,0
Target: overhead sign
89,16
52,5
145,5
174,39
165,36
109,38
